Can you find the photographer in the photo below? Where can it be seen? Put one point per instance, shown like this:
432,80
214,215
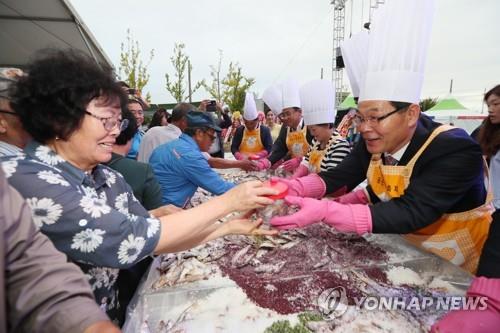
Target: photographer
222,120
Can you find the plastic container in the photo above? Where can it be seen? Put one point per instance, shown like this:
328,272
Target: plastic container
278,207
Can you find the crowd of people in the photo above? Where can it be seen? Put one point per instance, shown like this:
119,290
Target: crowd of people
89,193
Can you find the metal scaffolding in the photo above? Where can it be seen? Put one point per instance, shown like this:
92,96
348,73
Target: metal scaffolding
338,36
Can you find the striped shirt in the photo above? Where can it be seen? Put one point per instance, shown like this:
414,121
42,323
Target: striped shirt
336,150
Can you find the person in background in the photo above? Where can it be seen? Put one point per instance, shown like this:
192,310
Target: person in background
231,130
222,120
71,107
136,106
261,117
159,118
487,282
40,290
252,141
328,148
180,166
273,126
13,137
138,175
159,135
294,139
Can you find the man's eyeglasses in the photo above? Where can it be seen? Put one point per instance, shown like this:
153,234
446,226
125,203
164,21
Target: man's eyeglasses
212,135
374,121
111,122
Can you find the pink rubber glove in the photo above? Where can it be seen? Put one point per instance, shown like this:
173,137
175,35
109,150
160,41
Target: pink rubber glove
292,164
301,171
475,321
262,164
262,154
311,186
344,218
239,156
355,197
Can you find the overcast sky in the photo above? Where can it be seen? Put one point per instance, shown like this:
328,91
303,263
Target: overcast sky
276,39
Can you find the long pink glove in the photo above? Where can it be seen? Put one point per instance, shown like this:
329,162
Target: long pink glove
301,171
355,197
292,164
239,156
477,320
344,218
311,186
263,164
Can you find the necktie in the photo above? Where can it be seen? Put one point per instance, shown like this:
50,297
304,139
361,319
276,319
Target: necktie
389,160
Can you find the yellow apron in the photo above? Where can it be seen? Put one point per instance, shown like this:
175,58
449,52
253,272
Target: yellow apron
251,142
296,142
316,156
457,237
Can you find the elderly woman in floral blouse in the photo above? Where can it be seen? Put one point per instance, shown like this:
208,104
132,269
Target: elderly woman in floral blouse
72,109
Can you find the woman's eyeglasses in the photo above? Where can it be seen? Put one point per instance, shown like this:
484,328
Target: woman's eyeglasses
110,123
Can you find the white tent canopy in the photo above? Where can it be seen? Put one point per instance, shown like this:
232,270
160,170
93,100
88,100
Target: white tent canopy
30,25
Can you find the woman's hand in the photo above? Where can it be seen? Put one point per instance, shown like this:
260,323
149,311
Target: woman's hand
242,225
248,196
164,210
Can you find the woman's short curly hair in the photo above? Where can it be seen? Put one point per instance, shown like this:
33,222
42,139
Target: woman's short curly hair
51,100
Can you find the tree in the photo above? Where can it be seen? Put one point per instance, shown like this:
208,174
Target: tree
427,103
182,66
215,87
132,69
235,86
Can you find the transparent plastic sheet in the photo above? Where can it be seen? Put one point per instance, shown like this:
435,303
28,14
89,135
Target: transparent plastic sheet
217,304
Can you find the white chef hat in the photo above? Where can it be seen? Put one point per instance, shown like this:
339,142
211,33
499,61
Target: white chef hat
355,56
397,51
318,102
290,94
272,97
250,108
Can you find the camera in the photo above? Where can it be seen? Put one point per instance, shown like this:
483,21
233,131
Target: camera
212,106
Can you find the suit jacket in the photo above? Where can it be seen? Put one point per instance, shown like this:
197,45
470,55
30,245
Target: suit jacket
447,178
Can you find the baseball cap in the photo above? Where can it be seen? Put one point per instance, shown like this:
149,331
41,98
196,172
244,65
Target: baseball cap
201,119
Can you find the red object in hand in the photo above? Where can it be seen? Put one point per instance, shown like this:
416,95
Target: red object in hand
254,157
281,187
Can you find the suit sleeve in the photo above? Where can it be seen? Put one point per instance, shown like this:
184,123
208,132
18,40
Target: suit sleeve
349,173
279,149
238,136
266,138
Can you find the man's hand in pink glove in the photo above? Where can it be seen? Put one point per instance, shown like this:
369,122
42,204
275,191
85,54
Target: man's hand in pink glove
262,164
355,197
292,164
239,156
344,218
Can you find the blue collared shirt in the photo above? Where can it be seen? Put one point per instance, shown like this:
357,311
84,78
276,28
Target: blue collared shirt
180,168
136,143
93,218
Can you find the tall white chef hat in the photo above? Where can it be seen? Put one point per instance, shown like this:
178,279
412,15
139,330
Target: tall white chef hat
355,55
290,94
272,97
397,51
318,102
250,108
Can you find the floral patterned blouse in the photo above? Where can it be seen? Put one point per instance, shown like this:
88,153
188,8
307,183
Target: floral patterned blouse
93,218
